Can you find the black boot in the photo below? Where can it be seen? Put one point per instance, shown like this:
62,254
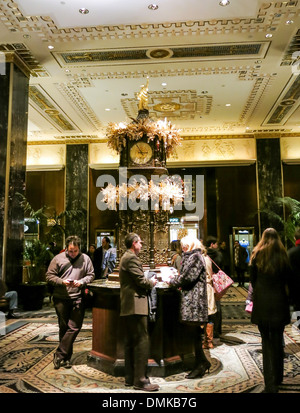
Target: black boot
199,370
11,314
201,362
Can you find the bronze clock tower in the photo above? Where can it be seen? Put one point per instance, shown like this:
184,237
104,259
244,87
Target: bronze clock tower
143,152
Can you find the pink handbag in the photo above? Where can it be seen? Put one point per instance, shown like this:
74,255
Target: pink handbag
221,282
249,307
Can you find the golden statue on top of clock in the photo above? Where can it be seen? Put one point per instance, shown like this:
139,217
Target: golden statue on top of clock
144,153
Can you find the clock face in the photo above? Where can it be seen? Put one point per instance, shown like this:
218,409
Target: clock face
141,153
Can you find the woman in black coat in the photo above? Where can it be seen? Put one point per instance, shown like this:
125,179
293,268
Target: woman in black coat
193,303
270,277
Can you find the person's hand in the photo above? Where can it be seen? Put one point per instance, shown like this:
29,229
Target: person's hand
154,280
77,283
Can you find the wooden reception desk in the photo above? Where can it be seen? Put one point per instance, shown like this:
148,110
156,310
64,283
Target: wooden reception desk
171,351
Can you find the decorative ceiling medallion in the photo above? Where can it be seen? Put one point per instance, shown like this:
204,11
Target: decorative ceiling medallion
159,53
167,107
174,104
52,111
288,102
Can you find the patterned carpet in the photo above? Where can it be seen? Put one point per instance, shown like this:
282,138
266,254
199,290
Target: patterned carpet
27,347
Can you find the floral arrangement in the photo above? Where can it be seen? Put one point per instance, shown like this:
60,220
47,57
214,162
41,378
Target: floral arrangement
167,193
117,134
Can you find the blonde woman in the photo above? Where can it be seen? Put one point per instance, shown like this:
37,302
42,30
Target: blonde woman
193,305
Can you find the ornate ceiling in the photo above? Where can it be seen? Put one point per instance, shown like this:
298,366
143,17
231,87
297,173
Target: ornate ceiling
214,71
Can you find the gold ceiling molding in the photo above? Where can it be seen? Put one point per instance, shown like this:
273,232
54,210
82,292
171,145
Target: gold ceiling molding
243,72
72,94
49,109
174,104
287,103
289,57
268,17
13,57
24,59
67,140
179,53
253,103
263,134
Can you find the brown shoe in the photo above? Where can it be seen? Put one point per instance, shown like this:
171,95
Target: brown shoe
147,387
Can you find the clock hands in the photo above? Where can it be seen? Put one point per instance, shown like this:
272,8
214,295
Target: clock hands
142,153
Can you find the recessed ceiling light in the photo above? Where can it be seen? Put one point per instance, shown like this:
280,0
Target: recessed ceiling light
228,104
164,84
269,35
289,22
153,7
107,109
83,10
224,3
50,47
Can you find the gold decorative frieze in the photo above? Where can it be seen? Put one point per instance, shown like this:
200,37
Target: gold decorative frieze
100,155
27,61
270,15
190,152
287,103
72,94
189,52
290,58
174,104
46,156
290,149
49,109
207,151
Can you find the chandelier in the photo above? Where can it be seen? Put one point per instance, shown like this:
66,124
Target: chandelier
167,194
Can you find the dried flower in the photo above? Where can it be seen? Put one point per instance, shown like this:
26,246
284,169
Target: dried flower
117,134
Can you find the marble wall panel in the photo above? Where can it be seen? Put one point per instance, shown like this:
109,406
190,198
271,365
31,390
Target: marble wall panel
13,137
77,191
269,177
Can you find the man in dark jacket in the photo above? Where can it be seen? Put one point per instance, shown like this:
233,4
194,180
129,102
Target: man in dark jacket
99,255
240,264
294,258
134,287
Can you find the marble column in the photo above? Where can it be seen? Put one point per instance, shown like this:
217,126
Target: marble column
77,192
269,183
211,202
14,81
